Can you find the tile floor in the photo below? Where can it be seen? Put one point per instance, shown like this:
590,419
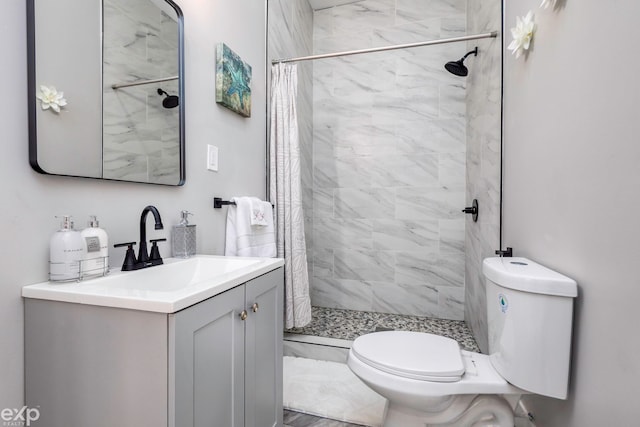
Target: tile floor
297,419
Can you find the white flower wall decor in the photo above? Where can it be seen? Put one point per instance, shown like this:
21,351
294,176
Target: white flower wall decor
522,34
50,98
548,3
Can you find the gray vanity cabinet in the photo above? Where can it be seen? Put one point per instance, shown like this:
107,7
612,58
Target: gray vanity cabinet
263,355
228,360
99,366
208,370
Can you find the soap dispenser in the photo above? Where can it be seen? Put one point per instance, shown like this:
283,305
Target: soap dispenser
66,252
96,241
183,237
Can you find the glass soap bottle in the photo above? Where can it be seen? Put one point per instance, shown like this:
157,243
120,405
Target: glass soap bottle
183,237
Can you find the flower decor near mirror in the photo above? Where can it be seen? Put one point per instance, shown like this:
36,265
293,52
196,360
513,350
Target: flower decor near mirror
522,34
233,81
51,99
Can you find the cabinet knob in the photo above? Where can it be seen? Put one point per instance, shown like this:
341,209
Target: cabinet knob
255,307
243,315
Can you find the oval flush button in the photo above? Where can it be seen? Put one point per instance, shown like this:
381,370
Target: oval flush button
518,263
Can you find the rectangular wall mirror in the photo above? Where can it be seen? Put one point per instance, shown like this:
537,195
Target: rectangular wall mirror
106,89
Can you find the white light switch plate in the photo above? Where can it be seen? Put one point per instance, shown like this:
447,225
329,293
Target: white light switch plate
212,158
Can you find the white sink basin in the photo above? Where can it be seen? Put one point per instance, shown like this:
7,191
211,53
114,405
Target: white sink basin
167,288
176,275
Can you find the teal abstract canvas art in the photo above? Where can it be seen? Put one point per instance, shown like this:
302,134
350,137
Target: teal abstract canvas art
233,81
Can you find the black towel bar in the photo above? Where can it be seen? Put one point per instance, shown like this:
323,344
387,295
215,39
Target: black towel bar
219,203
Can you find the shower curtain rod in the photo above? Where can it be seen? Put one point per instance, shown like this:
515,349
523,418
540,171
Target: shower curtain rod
385,48
143,82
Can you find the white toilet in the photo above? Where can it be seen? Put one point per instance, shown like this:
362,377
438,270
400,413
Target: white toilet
428,380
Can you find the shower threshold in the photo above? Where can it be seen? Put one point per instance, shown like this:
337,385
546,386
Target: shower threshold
332,330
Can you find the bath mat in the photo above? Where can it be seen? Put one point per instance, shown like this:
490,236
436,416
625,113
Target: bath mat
330,390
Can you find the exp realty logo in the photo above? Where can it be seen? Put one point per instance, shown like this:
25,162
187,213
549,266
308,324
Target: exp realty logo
19,417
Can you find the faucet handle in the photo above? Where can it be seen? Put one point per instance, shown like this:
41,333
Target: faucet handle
119,245
155,257
129,258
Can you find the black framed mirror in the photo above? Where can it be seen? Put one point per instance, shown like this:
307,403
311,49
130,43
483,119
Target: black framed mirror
106,89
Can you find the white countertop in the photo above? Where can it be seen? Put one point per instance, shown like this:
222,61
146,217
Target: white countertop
168,288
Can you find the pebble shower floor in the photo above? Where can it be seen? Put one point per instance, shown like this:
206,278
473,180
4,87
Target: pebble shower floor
350,324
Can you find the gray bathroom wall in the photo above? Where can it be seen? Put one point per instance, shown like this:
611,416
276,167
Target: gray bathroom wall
81,89
389,160
484,107
571,180
30,200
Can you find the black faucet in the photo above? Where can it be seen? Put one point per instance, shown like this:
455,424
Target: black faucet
144,260
143,255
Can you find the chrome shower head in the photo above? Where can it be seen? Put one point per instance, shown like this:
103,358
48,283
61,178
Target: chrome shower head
457,67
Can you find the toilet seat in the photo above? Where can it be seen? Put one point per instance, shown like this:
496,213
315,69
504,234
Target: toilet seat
413,355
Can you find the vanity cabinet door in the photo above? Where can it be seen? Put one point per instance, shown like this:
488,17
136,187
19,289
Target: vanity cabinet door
90,366
206,366
263,358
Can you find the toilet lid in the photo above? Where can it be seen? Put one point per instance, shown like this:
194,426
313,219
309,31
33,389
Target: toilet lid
414,355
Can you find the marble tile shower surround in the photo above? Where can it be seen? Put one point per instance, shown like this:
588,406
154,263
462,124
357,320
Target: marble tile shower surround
350,324
484,105
290,35
388,160
140,136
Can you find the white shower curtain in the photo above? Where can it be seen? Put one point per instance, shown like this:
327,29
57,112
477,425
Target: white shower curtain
285,192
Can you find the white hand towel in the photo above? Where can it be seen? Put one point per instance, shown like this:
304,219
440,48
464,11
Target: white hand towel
244,239
259,210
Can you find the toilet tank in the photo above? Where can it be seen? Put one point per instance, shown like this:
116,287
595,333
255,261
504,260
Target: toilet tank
530,316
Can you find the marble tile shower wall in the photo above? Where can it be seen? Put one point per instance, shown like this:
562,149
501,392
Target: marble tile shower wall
484,103
389,160
290,35
140,137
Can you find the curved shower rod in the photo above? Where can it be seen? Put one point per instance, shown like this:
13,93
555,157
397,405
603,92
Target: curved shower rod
492,34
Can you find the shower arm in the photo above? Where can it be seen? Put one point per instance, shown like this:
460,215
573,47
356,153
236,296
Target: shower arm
474,52
492,34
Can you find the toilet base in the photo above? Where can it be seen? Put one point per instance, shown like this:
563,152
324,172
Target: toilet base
464,411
